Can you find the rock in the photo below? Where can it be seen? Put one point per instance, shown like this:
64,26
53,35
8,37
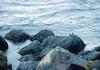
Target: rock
52,41
97,65
29,57
90,55
3,61
3,44
41,35
33,48
44,52
9,67
76,67
93,65
61,59
27,65
97,48
17,36
72,43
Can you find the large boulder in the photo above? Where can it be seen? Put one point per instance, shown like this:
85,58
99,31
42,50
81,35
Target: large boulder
3,44
41,35
90,55
28,65
72,43
44,52
61,59
52,41
49,43
33,48
3,61
17,36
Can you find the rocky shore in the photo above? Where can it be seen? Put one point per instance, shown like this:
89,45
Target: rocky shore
48,51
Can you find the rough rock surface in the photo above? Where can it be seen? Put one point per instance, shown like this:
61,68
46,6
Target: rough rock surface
33,48
41,35
27,65
72,43
29,57
61,59
44,52
90,55
52,41
17,36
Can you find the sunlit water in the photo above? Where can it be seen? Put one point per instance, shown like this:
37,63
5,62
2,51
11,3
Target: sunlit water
81,17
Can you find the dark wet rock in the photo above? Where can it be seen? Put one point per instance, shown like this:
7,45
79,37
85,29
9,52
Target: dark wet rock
33,48
52,41
41,35
97,48
17,36
28,65
72,43
44,52
61,59
9,67
29,57
3,61
90,55
3,44
76,67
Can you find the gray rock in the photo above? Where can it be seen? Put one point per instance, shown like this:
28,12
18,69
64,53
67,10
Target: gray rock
33,48
27,65
61,59
90,55
72,43
52,41
44,52
93,65
17,36
29,57
41,35
3,44
97,65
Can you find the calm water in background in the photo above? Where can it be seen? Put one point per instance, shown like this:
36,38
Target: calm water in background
81,17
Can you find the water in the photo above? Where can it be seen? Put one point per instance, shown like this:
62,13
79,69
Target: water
81,17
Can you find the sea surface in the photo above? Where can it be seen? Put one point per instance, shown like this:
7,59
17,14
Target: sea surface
81,17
